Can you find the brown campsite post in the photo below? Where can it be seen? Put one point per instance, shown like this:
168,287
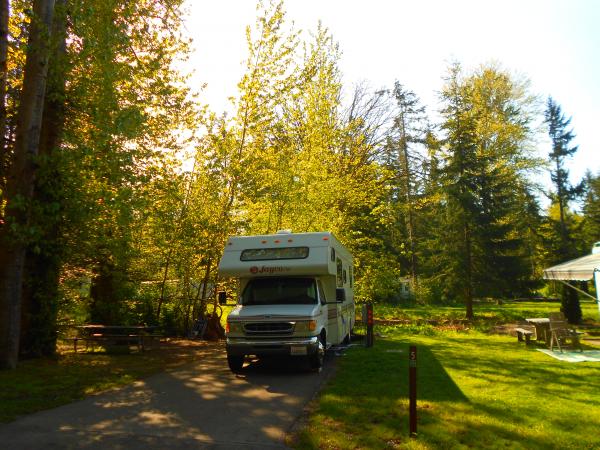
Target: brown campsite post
369,324
412,388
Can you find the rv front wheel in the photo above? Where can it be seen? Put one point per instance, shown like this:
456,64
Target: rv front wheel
316,360
235,363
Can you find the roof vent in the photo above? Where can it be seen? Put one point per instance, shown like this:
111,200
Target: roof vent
284,232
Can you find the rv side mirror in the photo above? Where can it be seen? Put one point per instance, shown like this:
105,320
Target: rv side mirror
340,295
222,297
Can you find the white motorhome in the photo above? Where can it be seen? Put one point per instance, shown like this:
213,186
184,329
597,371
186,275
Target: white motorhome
295,296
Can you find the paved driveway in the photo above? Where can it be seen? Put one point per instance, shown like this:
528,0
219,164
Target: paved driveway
200,406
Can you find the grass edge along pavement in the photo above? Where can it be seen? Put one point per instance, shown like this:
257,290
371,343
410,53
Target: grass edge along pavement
475,390
44,383
39,384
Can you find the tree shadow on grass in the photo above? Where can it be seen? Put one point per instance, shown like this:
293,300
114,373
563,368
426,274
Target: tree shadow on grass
433,381
528,372
367,401
521,393
390,363
370,394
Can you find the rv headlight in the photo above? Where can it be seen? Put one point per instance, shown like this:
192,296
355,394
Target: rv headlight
308,325
234,327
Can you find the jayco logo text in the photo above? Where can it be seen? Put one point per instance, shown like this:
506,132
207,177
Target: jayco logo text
265,269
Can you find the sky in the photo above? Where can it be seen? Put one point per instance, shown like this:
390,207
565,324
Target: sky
555,44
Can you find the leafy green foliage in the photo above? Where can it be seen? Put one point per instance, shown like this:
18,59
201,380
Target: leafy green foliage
486,121
591,210
138,185
563,228
407,166
562,149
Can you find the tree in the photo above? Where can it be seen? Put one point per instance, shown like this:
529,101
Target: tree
45,254
591,210
561,137
486,120
124,124
460,187
4,21
264,159
405,162
20,181
114,108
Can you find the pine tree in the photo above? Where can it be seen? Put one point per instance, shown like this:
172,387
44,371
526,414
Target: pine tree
486,120
561,140
405,162
591,210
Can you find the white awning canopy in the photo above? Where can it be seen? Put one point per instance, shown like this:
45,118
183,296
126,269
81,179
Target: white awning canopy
581,269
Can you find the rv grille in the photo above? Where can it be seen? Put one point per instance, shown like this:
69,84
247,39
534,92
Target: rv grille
269,328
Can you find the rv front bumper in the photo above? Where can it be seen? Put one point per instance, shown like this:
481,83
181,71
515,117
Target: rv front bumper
272,347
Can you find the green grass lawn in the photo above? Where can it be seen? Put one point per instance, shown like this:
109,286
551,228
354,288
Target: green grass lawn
475,390
486,314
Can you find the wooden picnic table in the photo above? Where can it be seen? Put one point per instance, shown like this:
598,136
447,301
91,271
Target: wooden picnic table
111,335
542,328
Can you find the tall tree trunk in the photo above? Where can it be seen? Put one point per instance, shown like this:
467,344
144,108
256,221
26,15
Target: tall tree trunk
4,15
20,181
178,225
42,267
106,292
468,273
410,222
163,284
207,274
561,210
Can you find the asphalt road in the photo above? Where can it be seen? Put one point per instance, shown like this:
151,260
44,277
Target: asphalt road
200,406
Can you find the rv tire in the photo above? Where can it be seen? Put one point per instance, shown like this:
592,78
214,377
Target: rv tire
235,363
317,359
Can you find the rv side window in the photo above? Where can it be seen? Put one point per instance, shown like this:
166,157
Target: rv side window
350,269
345,277
332,254
265,254
339,278
321,292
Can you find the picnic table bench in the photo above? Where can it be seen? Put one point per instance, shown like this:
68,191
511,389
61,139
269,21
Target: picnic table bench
552,331
142,337
524,334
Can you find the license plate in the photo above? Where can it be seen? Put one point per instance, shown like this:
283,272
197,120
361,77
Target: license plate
298,350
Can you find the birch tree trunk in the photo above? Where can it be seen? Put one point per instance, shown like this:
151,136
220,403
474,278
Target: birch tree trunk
20,181
4,14
39,300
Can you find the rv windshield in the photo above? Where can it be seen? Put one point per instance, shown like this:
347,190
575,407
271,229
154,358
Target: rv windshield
279,291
